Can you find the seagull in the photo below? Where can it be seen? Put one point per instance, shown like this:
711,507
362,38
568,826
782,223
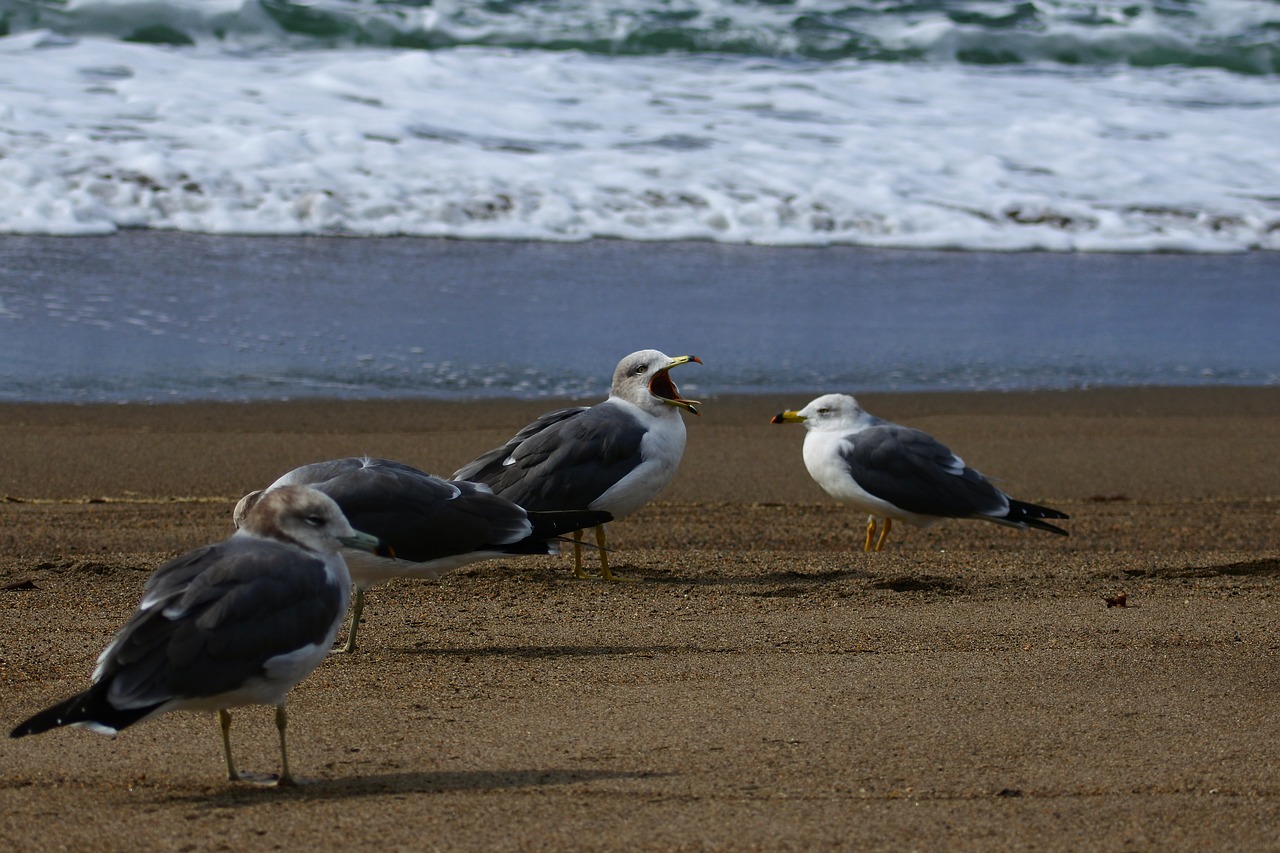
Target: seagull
895,472
431,525
236,623
615,456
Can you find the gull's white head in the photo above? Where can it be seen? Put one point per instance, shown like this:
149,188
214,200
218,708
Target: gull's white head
302,516
828,412
642,378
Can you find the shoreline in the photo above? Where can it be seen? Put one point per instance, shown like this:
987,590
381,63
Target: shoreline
179,315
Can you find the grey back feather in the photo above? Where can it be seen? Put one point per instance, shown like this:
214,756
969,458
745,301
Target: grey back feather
565,459
421,516
211,619
915,472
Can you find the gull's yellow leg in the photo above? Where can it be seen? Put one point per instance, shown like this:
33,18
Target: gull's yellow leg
357,608
884,534
871,532
224,722
577,554
604,558
282,722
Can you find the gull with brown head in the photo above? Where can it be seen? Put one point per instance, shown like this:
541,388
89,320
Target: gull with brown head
236,623
431,526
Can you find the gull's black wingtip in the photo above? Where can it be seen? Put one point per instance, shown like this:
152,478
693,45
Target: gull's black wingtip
1045,526
49,718
89,708
1032,515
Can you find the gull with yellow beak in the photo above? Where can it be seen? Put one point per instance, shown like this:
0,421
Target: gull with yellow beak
615,456
894,472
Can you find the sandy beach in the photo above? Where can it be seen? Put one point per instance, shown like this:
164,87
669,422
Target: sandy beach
763,685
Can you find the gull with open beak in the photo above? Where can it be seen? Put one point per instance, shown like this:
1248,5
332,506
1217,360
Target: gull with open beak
615,456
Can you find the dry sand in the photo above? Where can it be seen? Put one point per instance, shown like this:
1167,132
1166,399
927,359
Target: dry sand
765,684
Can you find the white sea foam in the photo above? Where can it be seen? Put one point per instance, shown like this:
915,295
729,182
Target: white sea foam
481,142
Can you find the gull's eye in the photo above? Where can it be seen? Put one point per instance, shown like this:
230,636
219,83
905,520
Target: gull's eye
824,411
641,368
315,520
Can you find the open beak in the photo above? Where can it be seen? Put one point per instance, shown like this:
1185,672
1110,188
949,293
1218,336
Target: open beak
788,417
364,542
664,389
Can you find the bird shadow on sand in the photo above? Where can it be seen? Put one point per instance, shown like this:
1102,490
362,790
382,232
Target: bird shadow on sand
788,583
545,652
1267,567
399,784
788,577
642,575
838,582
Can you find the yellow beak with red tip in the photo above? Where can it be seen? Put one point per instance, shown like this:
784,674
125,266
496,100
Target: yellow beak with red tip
665,390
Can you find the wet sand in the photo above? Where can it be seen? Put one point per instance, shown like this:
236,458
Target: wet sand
158,316
763,685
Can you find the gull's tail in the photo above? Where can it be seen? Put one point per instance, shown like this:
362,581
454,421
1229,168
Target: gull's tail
551,526
90,710
1023,514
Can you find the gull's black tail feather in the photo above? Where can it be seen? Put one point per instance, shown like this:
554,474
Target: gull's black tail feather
90,707
1030,515
550,526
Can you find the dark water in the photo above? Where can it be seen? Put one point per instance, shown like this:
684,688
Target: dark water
159,316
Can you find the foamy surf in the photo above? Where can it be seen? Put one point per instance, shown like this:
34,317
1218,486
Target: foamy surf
831,124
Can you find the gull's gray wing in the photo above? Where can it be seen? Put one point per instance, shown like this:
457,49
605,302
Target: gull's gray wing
564,460
489,465
211,619
915,472
422,517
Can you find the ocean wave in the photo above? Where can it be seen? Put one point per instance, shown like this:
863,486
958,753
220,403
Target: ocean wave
245,125
98,136
1241,36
